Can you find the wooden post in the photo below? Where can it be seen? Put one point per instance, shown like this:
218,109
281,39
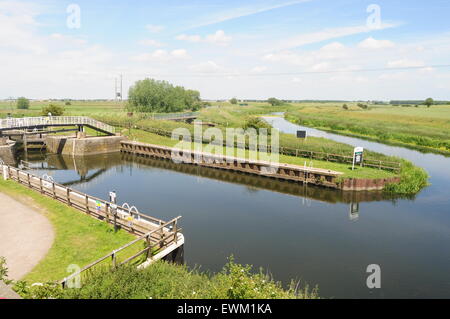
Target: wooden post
54,190
149,245
175,229
68,196
114,259
28,179
40,185
86,203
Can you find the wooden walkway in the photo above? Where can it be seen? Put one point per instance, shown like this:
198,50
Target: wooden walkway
296,173
159,238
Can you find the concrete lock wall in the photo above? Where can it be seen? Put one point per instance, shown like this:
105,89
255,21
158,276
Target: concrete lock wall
8,152
83,146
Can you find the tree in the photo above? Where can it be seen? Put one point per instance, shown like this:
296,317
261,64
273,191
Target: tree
429,102
274,102
150,95
233,101
54,109
23,103
345,107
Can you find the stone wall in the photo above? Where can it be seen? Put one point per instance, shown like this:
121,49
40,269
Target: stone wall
352,184
83,146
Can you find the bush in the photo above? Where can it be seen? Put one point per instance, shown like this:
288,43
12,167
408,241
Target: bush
233,101
257,123
345,107
23,103
54,109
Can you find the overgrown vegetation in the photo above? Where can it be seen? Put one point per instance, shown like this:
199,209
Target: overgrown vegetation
162,280
150,95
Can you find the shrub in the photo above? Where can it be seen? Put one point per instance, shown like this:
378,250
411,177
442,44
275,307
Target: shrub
23,103
54,109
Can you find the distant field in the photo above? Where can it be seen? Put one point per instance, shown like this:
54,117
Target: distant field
419,127
76,108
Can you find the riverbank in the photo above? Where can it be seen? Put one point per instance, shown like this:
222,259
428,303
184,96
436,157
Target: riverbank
421,128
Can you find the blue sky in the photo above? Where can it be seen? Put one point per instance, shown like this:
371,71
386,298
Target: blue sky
293,49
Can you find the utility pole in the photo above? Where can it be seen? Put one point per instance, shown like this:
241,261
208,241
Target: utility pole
121,88
115,89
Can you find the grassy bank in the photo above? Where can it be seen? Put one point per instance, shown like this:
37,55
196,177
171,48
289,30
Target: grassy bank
364,172
420,127
162,280
79,238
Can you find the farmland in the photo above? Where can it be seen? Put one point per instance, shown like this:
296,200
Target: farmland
426,129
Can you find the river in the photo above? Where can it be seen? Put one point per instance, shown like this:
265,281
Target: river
294,232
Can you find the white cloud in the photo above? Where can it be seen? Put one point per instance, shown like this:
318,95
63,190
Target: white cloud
151,43
179,54
240,12
161,55
207,67
217,38
371,43
154,28
326,34
405,63
189,38
258,69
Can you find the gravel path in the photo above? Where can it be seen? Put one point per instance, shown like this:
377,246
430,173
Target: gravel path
25,236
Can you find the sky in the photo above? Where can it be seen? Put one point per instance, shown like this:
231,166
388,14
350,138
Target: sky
289,49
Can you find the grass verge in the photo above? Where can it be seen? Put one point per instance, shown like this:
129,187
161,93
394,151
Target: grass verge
79,238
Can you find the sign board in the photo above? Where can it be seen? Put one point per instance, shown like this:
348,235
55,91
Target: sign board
357,156
301,134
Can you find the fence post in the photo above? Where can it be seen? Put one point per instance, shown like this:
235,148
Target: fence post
28,180
54,190
86,202
68,196
40,185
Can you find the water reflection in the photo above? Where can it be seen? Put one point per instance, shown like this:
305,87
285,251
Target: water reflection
89,168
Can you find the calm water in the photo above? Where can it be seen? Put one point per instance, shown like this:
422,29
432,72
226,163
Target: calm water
295,232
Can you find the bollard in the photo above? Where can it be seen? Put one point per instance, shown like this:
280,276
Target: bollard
5,172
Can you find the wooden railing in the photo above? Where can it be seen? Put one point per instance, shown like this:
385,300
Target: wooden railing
337,158
154,240
123,217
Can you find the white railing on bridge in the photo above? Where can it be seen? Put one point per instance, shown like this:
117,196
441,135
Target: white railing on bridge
11,123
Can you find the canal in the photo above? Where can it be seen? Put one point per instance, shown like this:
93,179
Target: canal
320,236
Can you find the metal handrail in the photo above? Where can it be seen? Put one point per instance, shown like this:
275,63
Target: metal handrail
54,120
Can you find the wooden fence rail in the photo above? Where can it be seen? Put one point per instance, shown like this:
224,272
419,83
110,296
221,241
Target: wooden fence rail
164,238
123,217
378,164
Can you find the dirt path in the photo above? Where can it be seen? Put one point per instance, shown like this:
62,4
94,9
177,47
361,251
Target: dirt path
25,236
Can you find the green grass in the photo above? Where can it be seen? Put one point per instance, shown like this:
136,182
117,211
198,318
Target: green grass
162,280
422,128
79,238
364,172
